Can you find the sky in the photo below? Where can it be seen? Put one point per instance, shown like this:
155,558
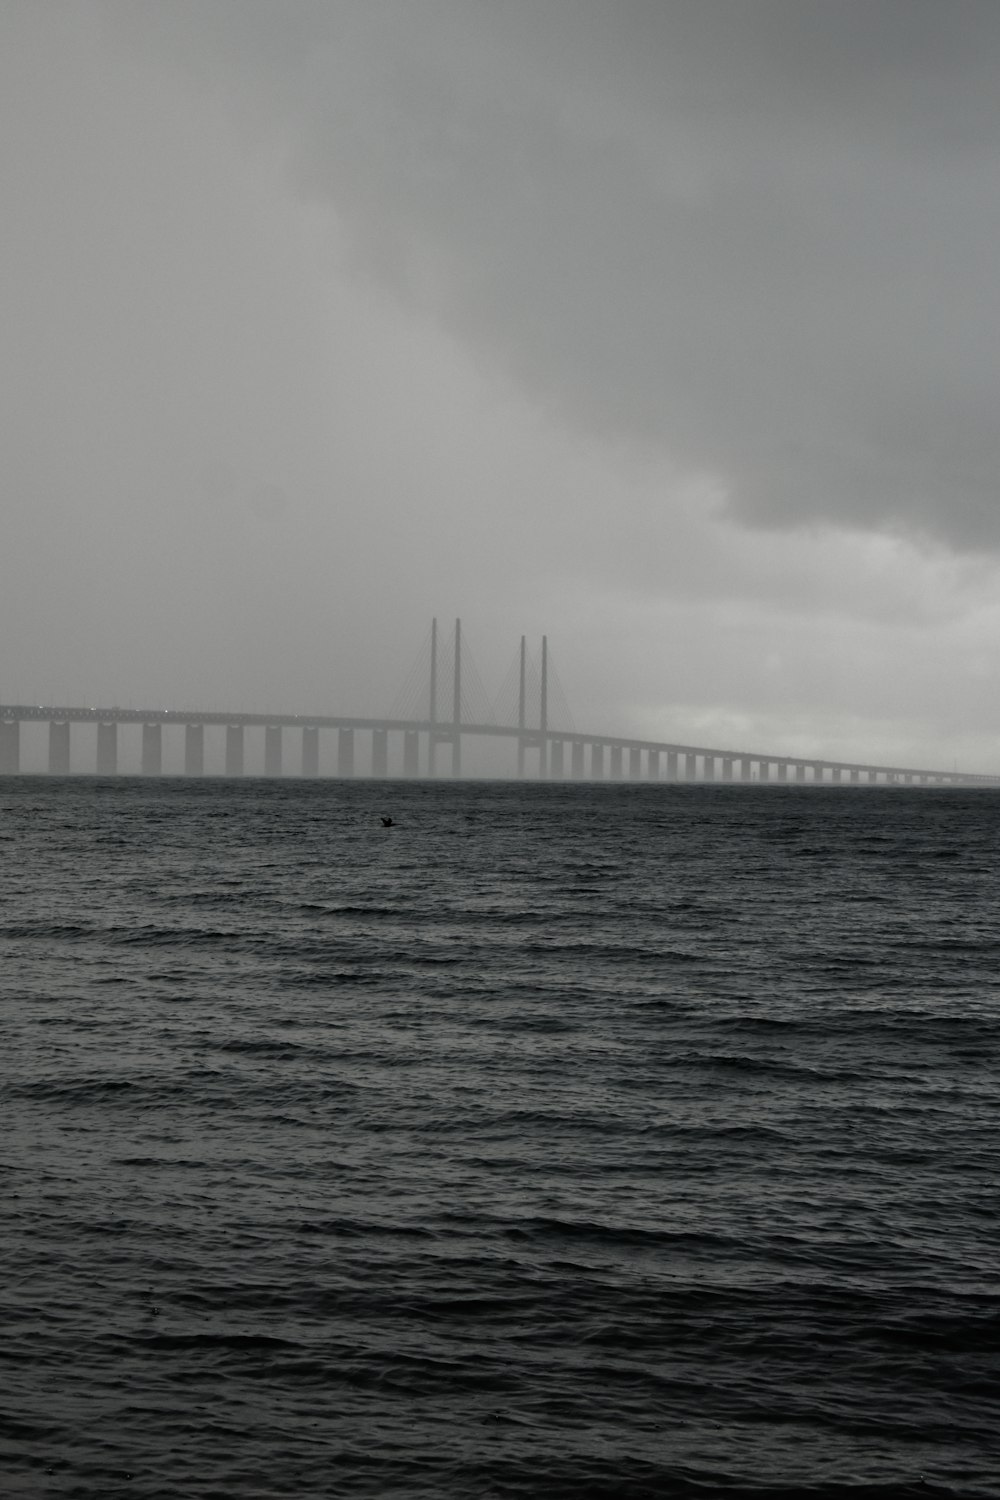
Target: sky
669,328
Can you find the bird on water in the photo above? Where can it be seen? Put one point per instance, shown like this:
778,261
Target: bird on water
387,823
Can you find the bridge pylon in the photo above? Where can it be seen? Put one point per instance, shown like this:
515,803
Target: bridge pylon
529,737
521,707
445,731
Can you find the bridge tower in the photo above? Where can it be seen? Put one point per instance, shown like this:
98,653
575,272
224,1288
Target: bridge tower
456,744
543,716
521,706
443,731
432,705
528,736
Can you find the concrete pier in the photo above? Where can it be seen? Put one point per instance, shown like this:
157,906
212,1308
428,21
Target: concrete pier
10,747
576,766
690,768
597,762
727,768
556,757
58,748
107,749
671,765
800,771
380,753
234,750
836,774
194,749
746,769
345,752
653,765
152,749
763,770
634,762
616,762
782,771
310,751
272,750
708,768
856,777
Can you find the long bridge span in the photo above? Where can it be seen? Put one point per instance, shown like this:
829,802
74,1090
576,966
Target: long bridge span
410,746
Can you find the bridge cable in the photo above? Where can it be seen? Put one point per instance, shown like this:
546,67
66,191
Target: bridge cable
559,709
412,698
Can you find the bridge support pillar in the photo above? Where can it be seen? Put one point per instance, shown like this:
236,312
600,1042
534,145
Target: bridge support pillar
653,765
310,750
234,750
556,758
671,765
411,753
10,747
152,749
763,770
194,749
597,762
380,753
708,768
58,748
634,762
800,771
616,762
107,749
817,773
855,777
836,774
576,770
746,769
272,750
345,752
872,777
690,768
727,768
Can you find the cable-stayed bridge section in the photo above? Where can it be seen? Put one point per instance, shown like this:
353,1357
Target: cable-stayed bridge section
426,738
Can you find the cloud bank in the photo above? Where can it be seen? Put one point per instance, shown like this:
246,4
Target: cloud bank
757,239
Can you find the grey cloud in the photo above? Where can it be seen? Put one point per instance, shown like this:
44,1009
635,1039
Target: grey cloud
760,239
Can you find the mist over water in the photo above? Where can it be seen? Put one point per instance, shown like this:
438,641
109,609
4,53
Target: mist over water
558,1140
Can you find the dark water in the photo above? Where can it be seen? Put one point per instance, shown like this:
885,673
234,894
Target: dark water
575,1142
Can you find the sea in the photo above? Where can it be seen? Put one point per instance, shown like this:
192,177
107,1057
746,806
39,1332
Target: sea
557,1140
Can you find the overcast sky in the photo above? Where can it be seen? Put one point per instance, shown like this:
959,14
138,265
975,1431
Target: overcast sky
669,327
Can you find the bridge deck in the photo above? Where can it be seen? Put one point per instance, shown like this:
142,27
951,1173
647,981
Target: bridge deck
66,714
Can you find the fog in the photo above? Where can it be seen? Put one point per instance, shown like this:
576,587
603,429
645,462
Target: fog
668,328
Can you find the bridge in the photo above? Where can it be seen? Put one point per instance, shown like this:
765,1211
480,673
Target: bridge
409,745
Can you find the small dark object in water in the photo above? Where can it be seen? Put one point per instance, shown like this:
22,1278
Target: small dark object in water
387,823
